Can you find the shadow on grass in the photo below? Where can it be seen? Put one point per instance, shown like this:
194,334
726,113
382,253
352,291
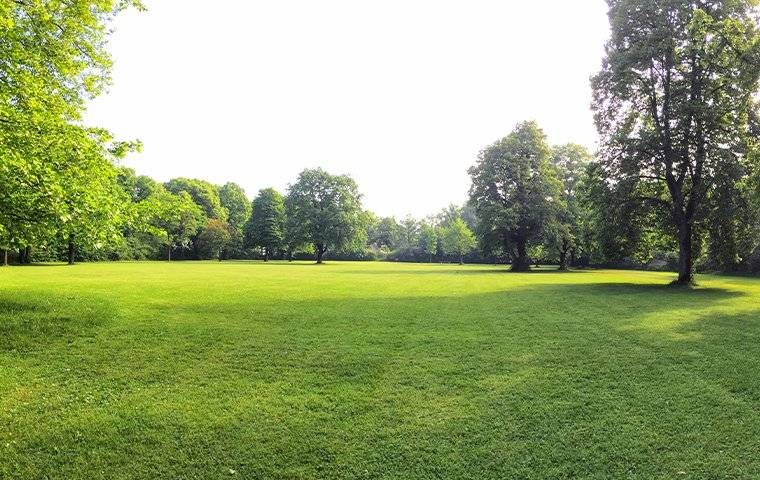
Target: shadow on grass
31,320
412,386
453,269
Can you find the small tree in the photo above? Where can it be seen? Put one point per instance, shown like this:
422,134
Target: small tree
213,238
266,227
323,210
458,239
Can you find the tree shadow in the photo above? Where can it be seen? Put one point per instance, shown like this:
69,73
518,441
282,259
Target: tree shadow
572,380
453,269
32,320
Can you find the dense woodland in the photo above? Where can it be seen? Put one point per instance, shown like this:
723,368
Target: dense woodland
675,183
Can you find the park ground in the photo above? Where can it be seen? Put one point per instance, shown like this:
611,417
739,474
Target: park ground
375,370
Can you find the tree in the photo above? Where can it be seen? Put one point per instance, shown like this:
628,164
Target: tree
448,215
177,216
324,210
570,162
387,233
203,193
54,60
515,192
266,225
92,205
409,231
232,198
428,240
458,239
213,238
672,103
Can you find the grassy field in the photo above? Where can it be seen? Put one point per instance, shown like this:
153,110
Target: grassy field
375,370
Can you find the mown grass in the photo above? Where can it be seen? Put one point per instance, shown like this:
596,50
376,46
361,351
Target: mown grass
375,370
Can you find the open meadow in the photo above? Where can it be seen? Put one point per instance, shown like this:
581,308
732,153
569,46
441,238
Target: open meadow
375,370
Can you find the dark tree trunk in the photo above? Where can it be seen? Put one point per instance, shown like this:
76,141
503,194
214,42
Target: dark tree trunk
520,260
563,260
461,259
266,254
169,253
5,257
321,249
27,254
71,249
685,254
572,258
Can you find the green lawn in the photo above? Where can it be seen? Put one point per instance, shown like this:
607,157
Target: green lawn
375,370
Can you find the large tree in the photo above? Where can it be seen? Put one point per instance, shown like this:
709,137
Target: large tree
92,207
324,210
53,60
673,101
266,226
514,192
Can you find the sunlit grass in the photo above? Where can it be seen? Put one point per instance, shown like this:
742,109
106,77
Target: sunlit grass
375,370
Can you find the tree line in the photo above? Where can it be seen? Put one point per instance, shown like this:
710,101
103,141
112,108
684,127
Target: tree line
675,183
194,219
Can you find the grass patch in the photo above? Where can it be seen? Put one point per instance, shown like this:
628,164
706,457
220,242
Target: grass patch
375,370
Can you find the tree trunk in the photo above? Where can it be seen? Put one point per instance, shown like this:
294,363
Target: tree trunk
520,260
685,254
572,258
169,253
71,249
461,259
563,260
5,257
321,249
266,254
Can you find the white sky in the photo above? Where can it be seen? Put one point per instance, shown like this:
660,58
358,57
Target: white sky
400,94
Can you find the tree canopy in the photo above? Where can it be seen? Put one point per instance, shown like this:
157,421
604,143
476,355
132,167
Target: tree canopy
514,192
673,104
324,210
266,227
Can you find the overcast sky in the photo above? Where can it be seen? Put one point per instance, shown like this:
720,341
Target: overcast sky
400,94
